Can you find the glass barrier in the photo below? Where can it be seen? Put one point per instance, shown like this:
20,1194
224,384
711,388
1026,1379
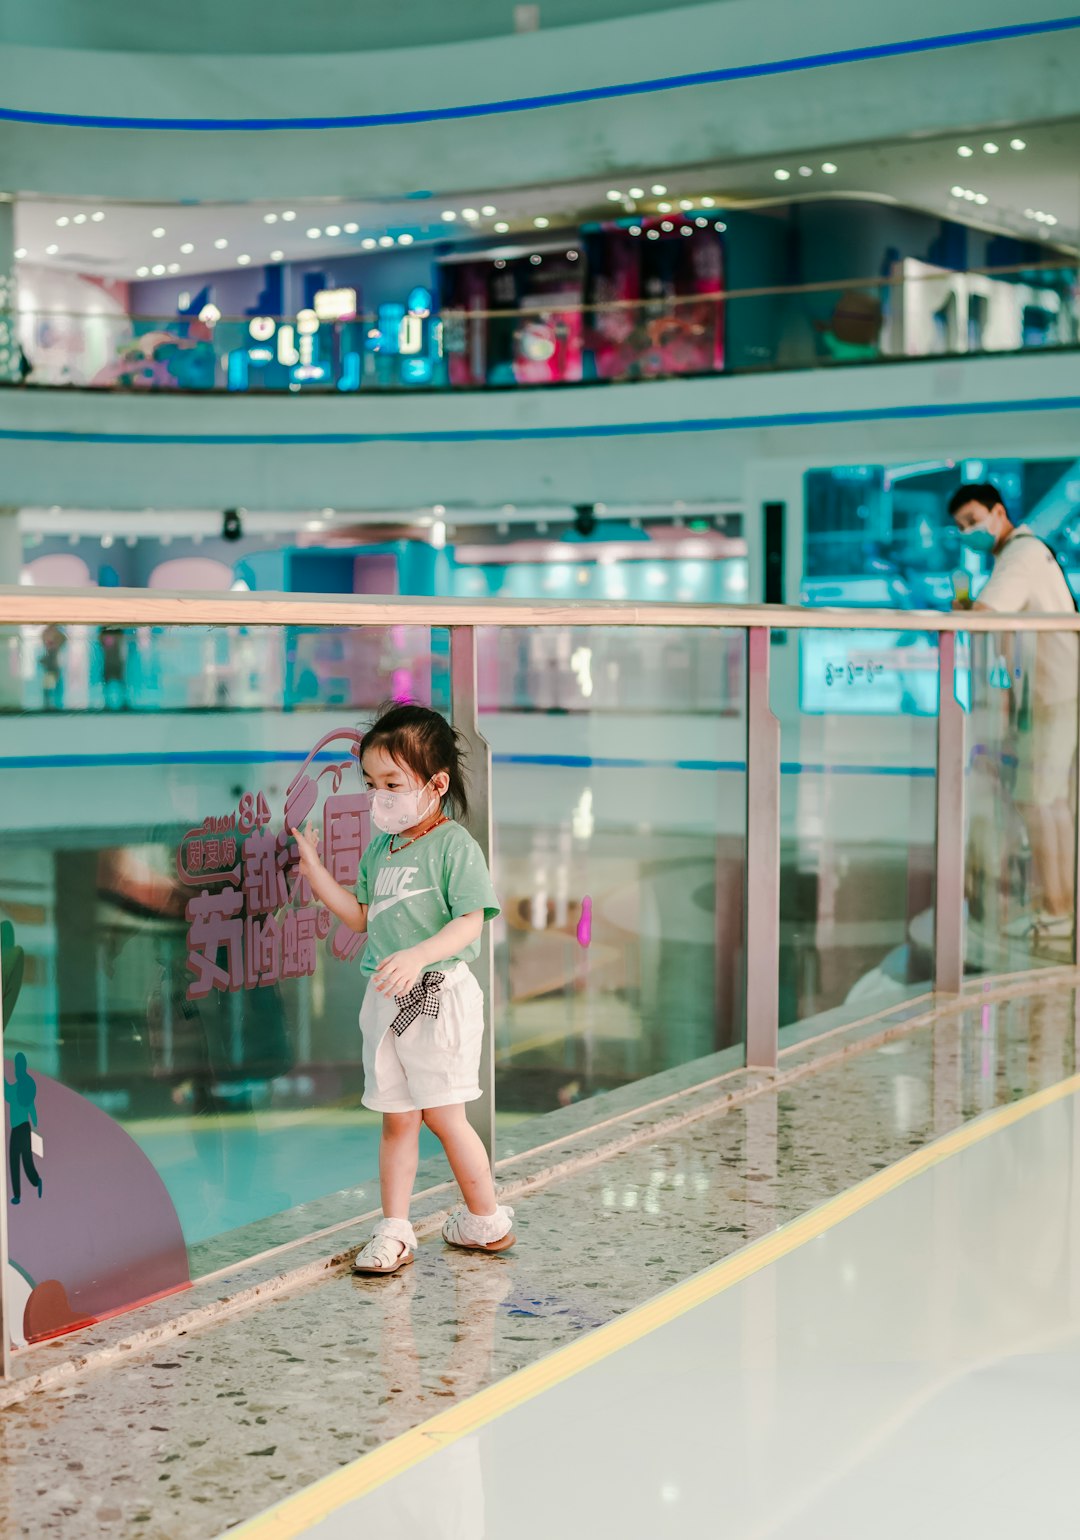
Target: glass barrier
916,311
857,712
620,854
1021,801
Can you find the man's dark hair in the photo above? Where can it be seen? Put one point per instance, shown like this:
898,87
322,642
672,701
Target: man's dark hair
976,492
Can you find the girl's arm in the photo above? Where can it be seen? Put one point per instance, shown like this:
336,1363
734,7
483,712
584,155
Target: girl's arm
397,973
337,899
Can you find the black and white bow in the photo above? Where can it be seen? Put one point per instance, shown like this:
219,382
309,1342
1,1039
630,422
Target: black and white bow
421,1000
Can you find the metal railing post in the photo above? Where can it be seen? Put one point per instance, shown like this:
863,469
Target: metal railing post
762,858
465,712
950,833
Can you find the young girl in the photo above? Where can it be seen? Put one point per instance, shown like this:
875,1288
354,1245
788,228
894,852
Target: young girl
423,897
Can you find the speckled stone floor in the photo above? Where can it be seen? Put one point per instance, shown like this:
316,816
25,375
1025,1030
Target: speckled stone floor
189,1439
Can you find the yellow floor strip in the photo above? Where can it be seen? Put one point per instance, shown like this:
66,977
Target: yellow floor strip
295,1515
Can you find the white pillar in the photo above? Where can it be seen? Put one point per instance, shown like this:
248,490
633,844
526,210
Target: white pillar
9,344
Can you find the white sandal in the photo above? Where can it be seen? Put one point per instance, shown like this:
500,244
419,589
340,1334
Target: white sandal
480,1232
392,1246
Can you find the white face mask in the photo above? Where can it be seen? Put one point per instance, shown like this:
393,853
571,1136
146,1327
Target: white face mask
395,811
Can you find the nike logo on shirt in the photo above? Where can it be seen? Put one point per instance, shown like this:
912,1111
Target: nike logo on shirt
395,898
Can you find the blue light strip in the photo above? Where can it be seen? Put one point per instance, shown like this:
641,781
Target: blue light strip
559,98
568,431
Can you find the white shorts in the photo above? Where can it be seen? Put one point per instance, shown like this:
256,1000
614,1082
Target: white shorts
1046,755
435,1062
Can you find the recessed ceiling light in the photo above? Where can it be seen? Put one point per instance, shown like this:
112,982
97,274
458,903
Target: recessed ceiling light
572,256
965,150
806,170
653,235
289,215
449,215
1017,144
352,228
487,210
536,260
80,219
50,251
540,222
276,256
470,213
501,227
720,225
957,192
20,253
500,262
368,243
63,220
635,229
1051,219
97,216
174,267
186,249
828,167
386,240
637,192
614,197
667,225
243,260
708,203
658,189
269,219
158,232
405,240
333,229
701,222
990,147
314,233
981,198
158,269
665,208
142,272
781,175
686,230
221,243
686,204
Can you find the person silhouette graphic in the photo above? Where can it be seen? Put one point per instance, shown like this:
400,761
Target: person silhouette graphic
21,1096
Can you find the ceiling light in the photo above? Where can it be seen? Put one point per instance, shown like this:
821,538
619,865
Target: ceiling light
50,251
243,260
314,233
571,256
701,222
965,150
174,267
352,228
781,175
635,229
333,229
487,210
502,227
106,541
957,192
289,215
158,269
720,225
269,219
981,198
221,243
654,235
541,222
500,262
98,216
1050,219
470,213
535,260
686,230
990,147
637,192
449,215
659,189
63,220
20,253
614,197
405,240
80,219
667,225
369,243
186,249
1017,144
142,272
686,204
276,256
806,170
828,167
386,240
158,232
708,203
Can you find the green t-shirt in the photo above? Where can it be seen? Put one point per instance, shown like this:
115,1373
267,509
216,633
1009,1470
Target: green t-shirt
413,894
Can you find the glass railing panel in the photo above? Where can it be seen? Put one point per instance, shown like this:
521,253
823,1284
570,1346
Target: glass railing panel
619,847
1020,800
857,714
187,1010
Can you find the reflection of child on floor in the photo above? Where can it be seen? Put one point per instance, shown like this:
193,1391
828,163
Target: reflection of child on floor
423,897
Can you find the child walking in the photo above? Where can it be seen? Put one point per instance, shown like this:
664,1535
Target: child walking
423,897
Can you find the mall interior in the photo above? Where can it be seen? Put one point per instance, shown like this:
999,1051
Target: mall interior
597,374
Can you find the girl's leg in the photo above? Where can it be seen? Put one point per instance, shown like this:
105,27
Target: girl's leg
466,1154
399,1154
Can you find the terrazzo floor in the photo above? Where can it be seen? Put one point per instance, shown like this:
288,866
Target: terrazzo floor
189,1439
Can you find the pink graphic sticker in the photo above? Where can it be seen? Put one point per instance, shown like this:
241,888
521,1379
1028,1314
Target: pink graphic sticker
584,924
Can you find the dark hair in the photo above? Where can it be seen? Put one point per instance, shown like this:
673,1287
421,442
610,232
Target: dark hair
422,741
983,492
